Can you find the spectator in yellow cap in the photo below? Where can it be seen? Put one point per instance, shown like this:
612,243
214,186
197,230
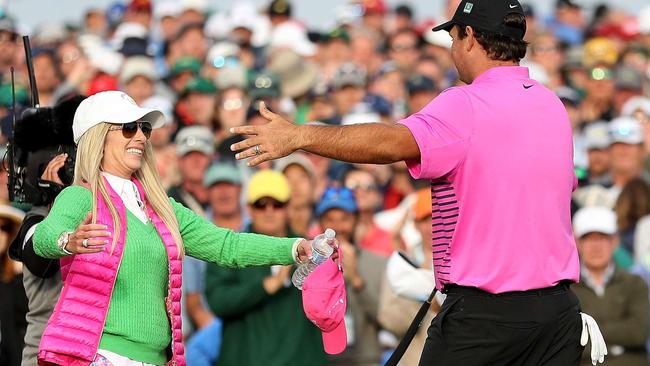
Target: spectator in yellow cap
268,196
259,305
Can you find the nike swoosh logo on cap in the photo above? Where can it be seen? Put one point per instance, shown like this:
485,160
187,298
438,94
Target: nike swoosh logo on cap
527,86
513,6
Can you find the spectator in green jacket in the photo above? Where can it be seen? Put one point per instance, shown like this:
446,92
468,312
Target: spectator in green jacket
263,321
618,300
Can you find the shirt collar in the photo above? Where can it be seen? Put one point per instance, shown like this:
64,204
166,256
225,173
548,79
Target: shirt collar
118,183
599,289
503,72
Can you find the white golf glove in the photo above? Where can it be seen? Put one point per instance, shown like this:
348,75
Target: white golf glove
598,346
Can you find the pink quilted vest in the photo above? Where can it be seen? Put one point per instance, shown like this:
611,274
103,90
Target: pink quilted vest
75,328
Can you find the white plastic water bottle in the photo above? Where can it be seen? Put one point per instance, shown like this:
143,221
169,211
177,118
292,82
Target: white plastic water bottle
321,250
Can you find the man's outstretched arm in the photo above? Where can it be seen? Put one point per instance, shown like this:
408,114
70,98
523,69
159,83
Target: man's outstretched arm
373,143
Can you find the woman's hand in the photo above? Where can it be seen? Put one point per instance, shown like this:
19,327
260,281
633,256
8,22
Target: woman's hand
88,238
304,250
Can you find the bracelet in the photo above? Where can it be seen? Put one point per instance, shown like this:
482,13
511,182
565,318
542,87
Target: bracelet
63,240
294,251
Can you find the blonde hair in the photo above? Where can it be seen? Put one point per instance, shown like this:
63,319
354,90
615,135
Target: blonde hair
90,152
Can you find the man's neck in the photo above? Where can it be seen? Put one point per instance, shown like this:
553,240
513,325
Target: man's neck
232,222
599,275
485,66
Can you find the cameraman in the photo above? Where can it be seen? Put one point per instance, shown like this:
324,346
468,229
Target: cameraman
41,276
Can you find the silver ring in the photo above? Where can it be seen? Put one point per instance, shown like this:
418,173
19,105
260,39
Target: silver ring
257,150
85,243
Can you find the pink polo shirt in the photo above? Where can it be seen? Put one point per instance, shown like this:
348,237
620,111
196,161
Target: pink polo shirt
499,154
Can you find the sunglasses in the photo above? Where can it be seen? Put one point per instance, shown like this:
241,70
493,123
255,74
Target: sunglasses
130,129
264,203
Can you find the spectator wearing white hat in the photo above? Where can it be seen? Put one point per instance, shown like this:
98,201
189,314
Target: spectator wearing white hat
300,174
166,159
597,142
193,11
195,150
138,78
292,35
627,152
221,56
232,101
166,13
639,108
616,299
348,88
244,19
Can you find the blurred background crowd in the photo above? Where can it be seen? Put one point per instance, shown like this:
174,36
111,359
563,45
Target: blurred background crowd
207,70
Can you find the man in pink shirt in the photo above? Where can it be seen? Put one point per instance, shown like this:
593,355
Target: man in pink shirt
499,155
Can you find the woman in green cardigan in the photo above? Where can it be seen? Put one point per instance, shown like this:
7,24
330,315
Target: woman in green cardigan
121,240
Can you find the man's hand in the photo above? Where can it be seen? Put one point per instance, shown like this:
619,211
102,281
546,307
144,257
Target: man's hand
274,140
51,172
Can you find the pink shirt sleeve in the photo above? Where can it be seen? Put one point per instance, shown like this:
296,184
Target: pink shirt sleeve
442,130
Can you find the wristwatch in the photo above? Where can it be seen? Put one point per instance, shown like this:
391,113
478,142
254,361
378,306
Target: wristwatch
63,240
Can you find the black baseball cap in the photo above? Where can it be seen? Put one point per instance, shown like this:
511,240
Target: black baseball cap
420,83
487,16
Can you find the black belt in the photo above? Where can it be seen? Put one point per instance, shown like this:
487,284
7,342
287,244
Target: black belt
561,287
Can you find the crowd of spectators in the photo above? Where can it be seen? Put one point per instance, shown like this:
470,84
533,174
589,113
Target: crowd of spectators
207,70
